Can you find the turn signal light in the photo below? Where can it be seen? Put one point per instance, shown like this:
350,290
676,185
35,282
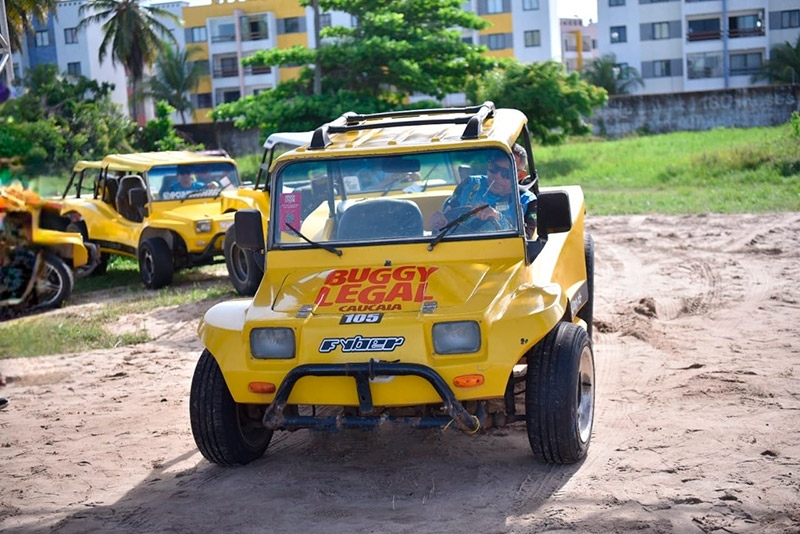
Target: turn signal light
261,387
468,381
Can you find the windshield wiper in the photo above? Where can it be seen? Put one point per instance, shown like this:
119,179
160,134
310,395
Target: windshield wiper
299,234
452,224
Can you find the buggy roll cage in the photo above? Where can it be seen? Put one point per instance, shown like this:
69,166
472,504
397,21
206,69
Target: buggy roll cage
473,117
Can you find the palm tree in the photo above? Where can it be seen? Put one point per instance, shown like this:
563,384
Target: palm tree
617,79
130,33
22,13
176,76
783,65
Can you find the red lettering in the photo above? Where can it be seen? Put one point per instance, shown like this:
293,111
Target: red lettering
354,276
336,278
426,272
322,296
347,293
372,294
380,276
404,274
420,296
400,291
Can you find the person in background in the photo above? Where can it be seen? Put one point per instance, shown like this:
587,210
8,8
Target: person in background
185,182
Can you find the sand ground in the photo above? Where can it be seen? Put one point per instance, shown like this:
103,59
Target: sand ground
697,424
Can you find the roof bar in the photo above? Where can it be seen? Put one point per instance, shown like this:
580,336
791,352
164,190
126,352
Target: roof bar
350,121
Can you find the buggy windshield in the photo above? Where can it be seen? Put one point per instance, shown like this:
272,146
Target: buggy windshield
395,198
195,180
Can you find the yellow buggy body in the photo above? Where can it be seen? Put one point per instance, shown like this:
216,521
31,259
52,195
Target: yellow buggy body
367,313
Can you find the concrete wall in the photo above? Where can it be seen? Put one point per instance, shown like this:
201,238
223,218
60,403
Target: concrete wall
224,135
736,108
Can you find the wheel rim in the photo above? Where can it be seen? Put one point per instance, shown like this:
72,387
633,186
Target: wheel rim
251,427
585,395
148,266
49,286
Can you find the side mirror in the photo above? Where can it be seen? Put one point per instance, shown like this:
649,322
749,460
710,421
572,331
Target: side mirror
553,213
248,230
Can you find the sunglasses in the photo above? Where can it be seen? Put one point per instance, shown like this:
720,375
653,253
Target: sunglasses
502,171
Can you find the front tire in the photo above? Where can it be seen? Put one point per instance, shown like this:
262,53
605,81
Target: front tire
56,285
243,269
559,395
155,263
226,432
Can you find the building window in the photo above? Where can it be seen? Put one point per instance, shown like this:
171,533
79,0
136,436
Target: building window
71,35
704,65
467,40
227,67
745,26
533,38
204,100
325,20
745,64
254,27
703,30
42,38
494,6
198,34
496,41
231,96
530,5
661,69
201,66
661,30
790,19
619,34
292,25
616,3
74,69
222,31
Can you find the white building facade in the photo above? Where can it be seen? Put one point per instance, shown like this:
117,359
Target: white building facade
695,45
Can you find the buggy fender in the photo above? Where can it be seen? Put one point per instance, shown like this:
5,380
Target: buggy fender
66,245
222,330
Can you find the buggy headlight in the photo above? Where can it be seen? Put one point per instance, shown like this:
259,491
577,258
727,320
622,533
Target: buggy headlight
459,337
272,343
202,227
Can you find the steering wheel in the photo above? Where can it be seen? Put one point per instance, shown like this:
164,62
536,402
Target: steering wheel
472,223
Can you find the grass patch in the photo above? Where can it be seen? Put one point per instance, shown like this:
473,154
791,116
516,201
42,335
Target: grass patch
726,170
80,331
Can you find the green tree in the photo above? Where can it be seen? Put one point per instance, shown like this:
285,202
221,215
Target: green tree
396,49
783,65
159,133
60,119
176,76
131,35
555,102
22,13
615,78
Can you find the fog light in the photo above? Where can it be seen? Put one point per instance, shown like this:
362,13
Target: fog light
272,343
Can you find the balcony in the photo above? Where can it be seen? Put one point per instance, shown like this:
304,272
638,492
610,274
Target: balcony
745,32
226,72
704,35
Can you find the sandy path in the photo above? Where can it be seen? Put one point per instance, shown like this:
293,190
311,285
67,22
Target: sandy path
697,426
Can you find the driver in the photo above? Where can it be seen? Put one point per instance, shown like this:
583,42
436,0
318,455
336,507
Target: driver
496,189
186,183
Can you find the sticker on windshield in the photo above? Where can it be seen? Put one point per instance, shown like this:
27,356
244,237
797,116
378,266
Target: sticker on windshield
291,211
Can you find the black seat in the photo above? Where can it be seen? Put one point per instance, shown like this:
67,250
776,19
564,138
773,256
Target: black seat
380,218
125,206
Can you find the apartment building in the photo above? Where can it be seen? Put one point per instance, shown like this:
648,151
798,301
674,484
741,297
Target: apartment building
695,45
220,34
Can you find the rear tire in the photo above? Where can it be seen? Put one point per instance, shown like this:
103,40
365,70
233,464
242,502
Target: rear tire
155,263
559,395
226,432
56,285
243,269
